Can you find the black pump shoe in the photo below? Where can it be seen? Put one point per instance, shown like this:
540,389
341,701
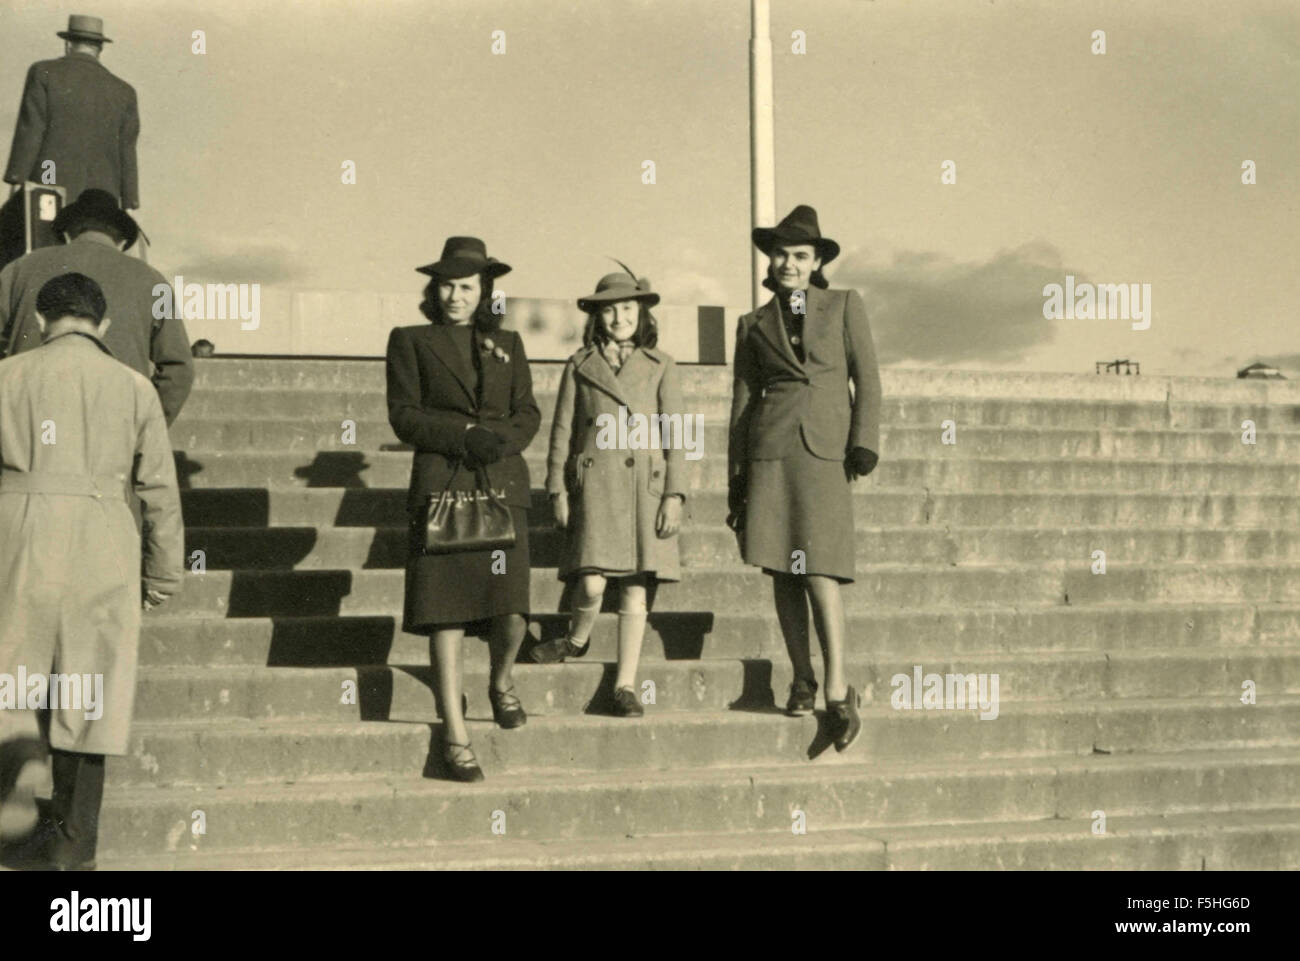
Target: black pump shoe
461,763
803,698
626,703
556,650
507,710
844,717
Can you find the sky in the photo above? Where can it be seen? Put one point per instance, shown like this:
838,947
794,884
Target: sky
1115,168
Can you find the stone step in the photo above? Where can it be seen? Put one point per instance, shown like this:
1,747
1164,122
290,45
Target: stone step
711,545
826,851
1235,840
717,590
714,404
405,692
1223,840
217,752
168,640
358,469
326,434
325,641
369,376
410,810
875,507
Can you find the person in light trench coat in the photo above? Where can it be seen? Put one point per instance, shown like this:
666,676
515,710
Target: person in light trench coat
621,505
78,431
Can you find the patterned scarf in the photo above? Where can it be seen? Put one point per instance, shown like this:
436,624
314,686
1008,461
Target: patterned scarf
616,354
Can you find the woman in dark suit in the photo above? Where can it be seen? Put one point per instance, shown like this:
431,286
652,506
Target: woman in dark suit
797,440
459,390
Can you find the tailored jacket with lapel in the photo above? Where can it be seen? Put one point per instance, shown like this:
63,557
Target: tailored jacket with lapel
618,488
77,114
778,402
430,404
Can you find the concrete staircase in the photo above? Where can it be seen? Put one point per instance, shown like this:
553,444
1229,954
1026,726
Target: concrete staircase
1120,692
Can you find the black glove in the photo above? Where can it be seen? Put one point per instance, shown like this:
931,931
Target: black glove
862,461
736,493
482,446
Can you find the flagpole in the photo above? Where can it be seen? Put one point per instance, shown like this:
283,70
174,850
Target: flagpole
762,151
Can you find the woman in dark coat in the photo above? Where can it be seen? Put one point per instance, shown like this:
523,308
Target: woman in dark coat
797,440
459,390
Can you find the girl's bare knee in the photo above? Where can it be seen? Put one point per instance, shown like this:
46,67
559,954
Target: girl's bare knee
593,587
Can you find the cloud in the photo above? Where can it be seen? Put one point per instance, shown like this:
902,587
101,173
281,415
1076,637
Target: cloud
1287,363
689,287
258,263
927,308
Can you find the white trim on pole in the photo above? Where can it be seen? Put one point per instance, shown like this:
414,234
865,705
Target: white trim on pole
762,150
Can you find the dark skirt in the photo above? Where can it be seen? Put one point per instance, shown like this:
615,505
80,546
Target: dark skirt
800,502
445,590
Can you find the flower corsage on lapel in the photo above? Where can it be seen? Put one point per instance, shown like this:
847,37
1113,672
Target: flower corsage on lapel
501,356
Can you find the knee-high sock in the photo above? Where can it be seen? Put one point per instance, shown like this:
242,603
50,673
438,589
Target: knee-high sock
631,631
582,621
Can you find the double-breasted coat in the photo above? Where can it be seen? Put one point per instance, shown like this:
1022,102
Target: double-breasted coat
793,424
432,398
78,429
615,491
75,113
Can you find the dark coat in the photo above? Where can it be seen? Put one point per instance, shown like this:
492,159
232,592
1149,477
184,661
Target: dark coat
157,348
77,114
430,404
616,492
776,400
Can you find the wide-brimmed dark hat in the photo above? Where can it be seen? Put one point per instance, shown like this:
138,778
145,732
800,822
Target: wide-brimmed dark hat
615,287
798,227
462,256
84,28
98,205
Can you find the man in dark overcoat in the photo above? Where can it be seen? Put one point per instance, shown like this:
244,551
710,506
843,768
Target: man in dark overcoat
77,127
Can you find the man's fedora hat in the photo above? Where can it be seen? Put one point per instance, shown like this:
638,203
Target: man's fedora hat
798,227
84,28
614,287
96,204
462,256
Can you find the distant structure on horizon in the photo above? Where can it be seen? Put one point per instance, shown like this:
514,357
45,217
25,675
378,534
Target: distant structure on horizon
1118,367
1261,371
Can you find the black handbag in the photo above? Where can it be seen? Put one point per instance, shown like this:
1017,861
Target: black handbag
476,520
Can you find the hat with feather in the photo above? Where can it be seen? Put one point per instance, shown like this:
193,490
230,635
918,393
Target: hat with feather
615,287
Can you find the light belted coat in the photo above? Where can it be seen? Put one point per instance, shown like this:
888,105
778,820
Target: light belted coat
777,402
77,430
615,492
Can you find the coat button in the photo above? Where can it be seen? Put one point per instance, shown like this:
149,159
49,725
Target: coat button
629,462
656,474
587,463
591,420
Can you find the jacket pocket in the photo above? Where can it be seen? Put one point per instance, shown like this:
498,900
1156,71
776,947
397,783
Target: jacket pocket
575,473
655,477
